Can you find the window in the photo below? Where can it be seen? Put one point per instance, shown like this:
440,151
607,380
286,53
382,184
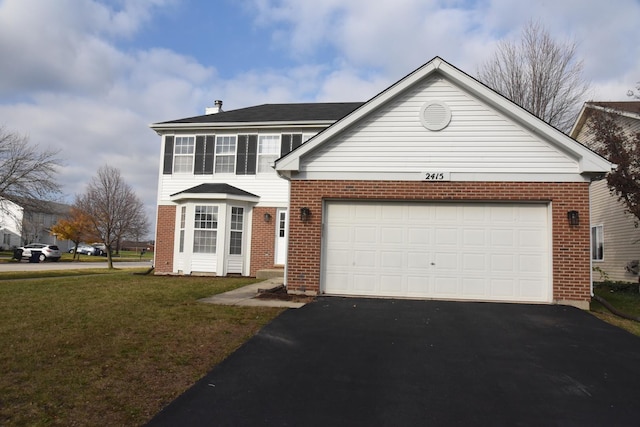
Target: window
237,215
225,154
205,231
268,152
597,243
183,214
183,154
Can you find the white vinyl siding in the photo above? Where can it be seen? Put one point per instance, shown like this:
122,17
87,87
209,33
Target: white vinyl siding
621,238
471,251
477,140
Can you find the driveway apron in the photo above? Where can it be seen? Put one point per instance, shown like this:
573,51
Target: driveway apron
383,362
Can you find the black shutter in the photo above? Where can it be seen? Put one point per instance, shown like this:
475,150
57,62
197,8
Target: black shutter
252,151
246,155
199,160
296,141
241,155
168,155
210,146
285,144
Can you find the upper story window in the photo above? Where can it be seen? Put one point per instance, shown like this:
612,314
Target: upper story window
242,154
268,152
183,154
225,154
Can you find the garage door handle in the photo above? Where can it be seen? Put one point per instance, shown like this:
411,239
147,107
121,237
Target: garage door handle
433,263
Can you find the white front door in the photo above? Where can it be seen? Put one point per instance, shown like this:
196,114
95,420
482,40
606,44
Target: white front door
281,237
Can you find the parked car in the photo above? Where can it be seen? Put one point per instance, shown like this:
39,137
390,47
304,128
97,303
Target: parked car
47,252
88,249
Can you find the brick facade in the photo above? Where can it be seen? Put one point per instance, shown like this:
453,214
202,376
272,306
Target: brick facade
165,228
263,237
571,245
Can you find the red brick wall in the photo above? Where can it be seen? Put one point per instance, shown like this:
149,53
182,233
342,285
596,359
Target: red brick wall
263,235
165,229
571,257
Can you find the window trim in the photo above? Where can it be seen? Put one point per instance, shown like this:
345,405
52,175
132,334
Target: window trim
597,242
274,155
226,154
204,227
176,155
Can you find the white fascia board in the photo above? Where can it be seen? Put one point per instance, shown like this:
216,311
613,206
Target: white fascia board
168,127
213,196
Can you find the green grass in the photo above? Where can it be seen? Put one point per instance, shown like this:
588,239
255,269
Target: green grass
111,348
123,256
624,298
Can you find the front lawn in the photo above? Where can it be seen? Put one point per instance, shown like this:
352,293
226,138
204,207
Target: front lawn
111,349
624,298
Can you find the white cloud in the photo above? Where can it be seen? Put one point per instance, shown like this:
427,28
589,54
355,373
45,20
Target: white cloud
72,77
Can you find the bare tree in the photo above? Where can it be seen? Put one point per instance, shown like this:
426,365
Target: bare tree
27,173
539,74
113,209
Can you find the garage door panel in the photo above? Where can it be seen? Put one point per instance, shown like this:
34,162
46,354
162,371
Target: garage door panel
447,237
365,283
339,258
481,251
474,288
419,236
365,234
474,263
392,235
364,259
392,260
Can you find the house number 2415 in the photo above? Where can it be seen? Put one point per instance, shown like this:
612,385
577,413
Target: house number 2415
436,176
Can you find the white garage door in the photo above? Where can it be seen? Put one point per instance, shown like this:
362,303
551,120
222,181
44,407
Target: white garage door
471,251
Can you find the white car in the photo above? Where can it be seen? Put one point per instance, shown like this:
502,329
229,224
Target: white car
47,252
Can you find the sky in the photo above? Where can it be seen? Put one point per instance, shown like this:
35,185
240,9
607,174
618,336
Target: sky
87,77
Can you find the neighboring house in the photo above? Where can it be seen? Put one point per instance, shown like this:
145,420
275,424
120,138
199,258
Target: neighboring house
10,224
615,239
20,225
437,187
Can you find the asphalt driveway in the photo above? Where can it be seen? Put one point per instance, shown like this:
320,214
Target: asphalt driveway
381,362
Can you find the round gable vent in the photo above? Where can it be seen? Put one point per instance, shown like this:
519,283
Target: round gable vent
435,115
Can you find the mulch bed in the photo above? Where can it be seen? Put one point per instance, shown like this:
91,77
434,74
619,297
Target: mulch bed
280,293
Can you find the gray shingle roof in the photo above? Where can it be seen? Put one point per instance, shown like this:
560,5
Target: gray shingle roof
330,111
216,188
629,106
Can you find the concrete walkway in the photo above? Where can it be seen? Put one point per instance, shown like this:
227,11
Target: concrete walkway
246,296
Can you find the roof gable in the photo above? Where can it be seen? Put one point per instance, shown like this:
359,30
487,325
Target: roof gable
438,70
628,109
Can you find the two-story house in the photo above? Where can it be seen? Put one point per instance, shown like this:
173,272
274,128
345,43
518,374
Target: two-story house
222,208
437,187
